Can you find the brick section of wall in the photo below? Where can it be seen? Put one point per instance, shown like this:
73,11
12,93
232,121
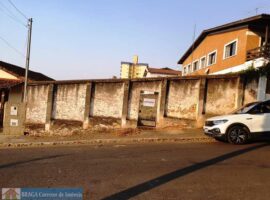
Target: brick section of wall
137,87
221,96
37,97
183,98
69,102
108,100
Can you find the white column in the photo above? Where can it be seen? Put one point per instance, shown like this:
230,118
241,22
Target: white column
261,95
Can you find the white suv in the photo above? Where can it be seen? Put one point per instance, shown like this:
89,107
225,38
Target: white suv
239,126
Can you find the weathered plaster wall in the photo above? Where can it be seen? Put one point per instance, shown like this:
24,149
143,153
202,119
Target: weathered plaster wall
108,100
16,94
69,102
183,98
37,97
251,89
221,96
136,88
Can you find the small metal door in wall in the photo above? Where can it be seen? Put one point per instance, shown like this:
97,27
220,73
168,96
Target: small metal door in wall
148,109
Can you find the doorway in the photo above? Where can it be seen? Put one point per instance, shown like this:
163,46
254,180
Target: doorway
148,109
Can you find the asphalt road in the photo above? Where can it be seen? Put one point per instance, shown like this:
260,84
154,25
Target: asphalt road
144,171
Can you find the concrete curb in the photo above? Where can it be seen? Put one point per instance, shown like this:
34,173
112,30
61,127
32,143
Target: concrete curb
107,141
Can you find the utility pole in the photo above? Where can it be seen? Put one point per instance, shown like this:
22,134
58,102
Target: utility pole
29,25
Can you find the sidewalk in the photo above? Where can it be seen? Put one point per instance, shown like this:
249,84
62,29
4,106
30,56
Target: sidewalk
144,136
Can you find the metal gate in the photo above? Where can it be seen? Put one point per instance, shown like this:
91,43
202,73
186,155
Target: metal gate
148,109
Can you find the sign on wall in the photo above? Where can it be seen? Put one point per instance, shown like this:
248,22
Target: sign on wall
14,122
149,102
13,110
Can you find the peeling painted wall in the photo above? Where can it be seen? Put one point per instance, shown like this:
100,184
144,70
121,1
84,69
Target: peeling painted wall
137,87
37,97
251,90
183,99
108,100
69,102
221,96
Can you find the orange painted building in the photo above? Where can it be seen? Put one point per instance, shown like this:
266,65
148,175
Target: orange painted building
229,48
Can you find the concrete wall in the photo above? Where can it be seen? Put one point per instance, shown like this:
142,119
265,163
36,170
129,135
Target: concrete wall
136,88
179,98
108,100
221,96
183,98
69,102
16,94
37,97
251,90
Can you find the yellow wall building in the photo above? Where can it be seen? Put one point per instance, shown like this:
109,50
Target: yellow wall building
133,70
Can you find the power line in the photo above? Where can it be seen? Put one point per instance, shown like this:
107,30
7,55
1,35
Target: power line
10,46
14,6
14,19
11,15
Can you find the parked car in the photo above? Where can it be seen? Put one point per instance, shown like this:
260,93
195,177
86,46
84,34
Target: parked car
242,124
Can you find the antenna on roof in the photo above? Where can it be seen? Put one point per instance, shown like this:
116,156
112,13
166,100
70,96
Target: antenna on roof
258,9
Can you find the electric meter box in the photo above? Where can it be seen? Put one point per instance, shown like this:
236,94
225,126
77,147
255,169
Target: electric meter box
14,118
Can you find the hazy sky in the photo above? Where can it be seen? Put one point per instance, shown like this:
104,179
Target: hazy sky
80,39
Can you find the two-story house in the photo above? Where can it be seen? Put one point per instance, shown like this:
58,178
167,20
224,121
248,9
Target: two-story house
232,47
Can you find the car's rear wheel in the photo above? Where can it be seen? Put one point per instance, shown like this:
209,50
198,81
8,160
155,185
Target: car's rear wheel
237,135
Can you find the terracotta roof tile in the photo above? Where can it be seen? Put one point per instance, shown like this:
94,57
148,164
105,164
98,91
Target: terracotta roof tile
166,70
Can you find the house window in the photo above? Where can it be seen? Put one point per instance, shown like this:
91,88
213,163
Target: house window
203,62
230,49
195,66
184,70
189,68
212,57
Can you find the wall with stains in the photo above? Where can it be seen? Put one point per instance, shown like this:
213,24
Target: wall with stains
69,102
178,98
182,99
37,97
221,96
108,100
251,90
136,88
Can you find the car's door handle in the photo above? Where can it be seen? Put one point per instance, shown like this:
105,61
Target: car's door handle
249,118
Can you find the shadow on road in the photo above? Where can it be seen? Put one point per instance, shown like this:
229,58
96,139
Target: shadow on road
151,184
28,161
265,137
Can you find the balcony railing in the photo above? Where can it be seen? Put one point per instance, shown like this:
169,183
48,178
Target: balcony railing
260,52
